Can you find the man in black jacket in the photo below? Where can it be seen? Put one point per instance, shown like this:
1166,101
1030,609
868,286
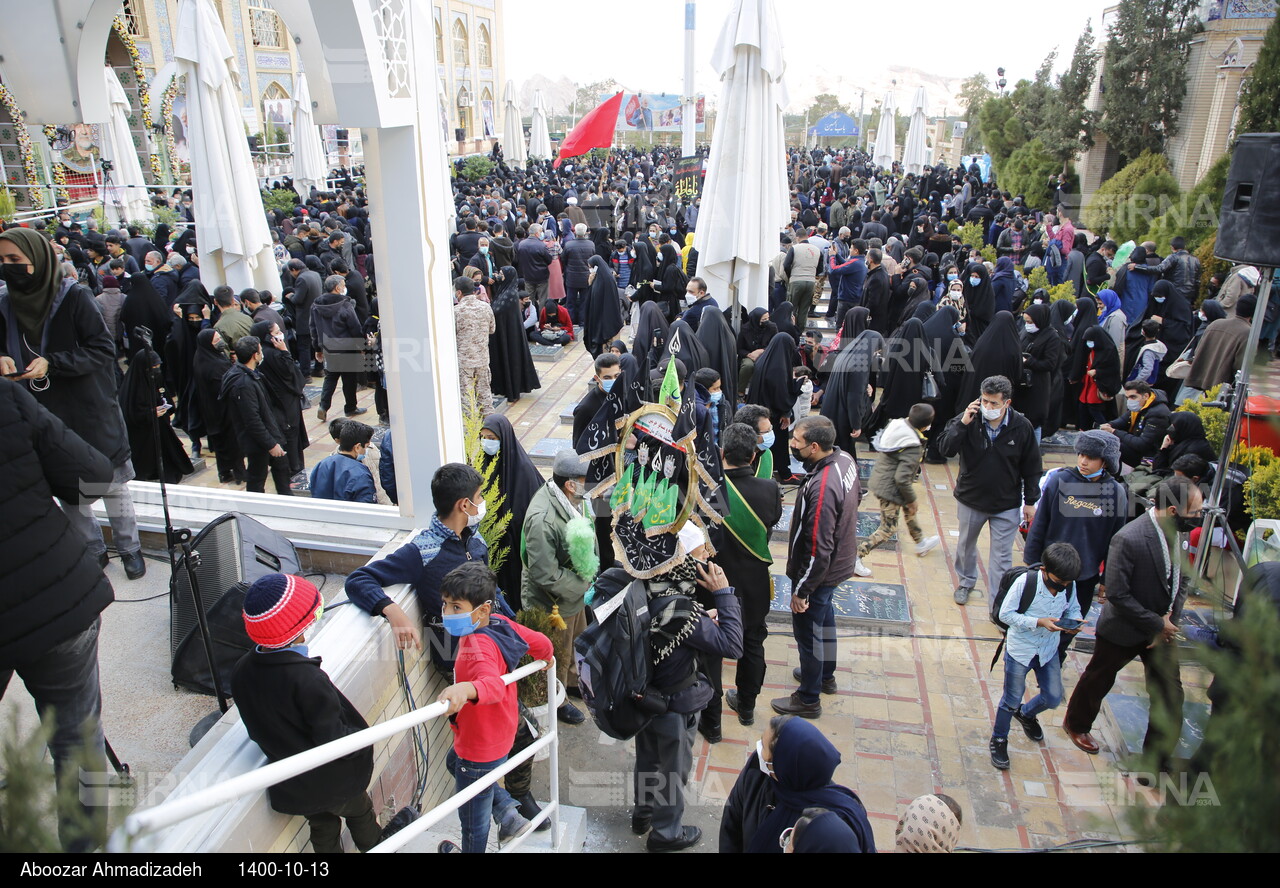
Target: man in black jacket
577,256
1096,268
875,293
1145,593
261,437
753,506
306,290
1141,428
339,343
53,591
289,705
1000,469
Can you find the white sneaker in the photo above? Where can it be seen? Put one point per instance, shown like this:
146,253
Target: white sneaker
861,569
924,547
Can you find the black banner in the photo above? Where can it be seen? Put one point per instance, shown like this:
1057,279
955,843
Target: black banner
688,178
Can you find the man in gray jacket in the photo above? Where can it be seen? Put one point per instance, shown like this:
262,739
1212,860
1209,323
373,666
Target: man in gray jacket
306,290
1145,593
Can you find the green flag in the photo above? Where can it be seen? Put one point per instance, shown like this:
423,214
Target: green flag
670,391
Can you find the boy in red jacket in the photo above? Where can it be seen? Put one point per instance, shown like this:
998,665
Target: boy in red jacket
482,710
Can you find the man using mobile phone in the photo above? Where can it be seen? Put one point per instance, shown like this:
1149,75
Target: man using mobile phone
1032,645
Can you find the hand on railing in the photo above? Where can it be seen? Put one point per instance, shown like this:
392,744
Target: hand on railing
455,696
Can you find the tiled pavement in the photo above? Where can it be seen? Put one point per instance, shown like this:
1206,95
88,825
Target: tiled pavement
912,714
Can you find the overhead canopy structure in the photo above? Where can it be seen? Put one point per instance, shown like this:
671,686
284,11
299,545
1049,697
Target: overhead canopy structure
126,193
513,146
887,133
915,155
837,123
744,198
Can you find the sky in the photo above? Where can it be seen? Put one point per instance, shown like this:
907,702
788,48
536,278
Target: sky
646,51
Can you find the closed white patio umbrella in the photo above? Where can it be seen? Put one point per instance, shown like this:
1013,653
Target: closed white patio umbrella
539,136
744,198
231,228
309,167
916,154
887,133
126,198
513,147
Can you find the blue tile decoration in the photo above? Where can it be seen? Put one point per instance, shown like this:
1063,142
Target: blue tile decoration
881,606
1131,714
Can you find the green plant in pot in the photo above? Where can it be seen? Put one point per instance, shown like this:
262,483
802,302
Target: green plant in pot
533,690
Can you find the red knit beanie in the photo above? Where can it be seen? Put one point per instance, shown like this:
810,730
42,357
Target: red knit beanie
278,608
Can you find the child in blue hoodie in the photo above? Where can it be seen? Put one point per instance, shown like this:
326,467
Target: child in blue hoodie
344,476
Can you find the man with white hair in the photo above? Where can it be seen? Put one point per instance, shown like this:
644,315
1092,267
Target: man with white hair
577,258
162,276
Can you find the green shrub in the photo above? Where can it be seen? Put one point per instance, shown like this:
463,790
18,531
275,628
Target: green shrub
1099,216
1210,264
1063,291
1028,171
1214,419
1038,279
1195,215
278,199
533,690
1155,193
476,167
1262,490
971,234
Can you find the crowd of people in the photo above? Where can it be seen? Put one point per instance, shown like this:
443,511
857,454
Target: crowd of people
931,353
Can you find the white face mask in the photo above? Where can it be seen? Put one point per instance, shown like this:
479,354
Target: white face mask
690,298
991,414
491,446
474,520
1133,404
1032,328
765,767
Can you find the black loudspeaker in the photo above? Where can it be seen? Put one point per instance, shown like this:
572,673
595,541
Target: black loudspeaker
232,548
460,134
229,640
1250,228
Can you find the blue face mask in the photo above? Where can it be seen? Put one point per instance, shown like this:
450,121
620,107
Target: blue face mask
150,267
975,282
459,625
1092,475
953,277
768,440
361,456
606,385
1159,298
1088,345
490,446
716,396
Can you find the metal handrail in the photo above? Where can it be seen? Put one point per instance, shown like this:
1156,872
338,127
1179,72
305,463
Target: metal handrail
172,812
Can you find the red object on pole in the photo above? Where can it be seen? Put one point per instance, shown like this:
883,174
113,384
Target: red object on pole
595,130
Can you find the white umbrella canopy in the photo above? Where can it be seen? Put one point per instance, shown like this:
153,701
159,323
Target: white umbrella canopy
916,154
309,166
513,146
744,198
127,196
539,136
887,133
231,227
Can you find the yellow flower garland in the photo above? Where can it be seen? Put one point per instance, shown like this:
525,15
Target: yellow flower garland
24,145
144,95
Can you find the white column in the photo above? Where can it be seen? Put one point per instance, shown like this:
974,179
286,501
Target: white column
689,132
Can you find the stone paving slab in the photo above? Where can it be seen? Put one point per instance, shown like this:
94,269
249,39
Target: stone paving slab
881,606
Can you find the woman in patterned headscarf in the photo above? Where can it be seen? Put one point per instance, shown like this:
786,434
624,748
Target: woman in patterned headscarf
930,825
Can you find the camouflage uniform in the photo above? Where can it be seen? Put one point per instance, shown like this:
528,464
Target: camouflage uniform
474,322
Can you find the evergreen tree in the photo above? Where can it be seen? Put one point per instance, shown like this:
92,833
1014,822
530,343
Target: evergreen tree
973,94
1069,129
1259,105
1145,76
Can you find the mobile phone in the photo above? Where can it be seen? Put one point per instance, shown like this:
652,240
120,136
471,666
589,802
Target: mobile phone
15,374
1068,625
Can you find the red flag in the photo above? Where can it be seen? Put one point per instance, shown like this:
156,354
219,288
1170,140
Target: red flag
593,131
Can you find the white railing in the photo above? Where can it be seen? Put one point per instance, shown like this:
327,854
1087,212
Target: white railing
175,811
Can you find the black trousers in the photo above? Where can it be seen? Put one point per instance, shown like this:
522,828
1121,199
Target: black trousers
1164,687
227,452
712,667
326,826
330,385
305,354
260,463
755,630
520,778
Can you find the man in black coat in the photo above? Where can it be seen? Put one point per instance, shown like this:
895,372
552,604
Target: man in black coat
307,287
1145,593
753,506
53,589
1142,426
875,293
70,370
261,437
576,261
339,338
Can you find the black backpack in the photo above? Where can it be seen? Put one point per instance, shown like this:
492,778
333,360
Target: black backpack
613,657
1029,589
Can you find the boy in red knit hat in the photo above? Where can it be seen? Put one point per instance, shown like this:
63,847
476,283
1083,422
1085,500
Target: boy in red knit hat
288,704
483,711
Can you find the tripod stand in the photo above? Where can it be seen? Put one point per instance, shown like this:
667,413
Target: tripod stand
180,538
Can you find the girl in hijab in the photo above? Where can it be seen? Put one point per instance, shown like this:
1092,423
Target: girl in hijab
1177,326
979,300
1082,319
722,354
285,383
1002,284
1113,319
847,398
145,410
513,371
784,318
790,771
208,367
996,353
517,480
753,336
602,318
951,274
650,343
1041,365
774,387
672,280
644,268
1095,366
144,307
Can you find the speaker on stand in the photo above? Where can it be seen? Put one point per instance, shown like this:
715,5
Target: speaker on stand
1248,234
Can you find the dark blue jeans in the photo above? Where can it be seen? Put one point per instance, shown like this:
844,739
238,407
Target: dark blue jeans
575,300
64,685
815,633
1048,676
495,802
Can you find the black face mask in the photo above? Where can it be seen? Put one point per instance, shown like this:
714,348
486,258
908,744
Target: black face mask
1186,525
18,277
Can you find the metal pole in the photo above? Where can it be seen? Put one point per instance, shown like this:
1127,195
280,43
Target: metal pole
554,755
862,120
688,135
